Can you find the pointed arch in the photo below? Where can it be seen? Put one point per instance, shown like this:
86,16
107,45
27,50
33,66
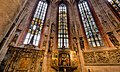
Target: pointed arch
91,30
35,28
62,27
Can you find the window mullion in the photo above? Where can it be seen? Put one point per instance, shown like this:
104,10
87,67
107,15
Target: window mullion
36,24
91,30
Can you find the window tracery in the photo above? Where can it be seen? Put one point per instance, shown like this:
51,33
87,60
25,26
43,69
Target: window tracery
91,30
34,32
62,27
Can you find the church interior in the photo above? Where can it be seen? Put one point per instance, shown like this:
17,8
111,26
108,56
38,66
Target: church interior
59,35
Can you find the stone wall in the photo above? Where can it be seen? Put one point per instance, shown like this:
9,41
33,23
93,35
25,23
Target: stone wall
8,11
88,61
20,20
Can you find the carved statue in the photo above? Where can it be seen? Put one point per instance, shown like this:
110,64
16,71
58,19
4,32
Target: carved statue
45,41
75,45
113,39
81,43
51,43
73,28
48,22
54,58
114,22
64,60
52,27
15,37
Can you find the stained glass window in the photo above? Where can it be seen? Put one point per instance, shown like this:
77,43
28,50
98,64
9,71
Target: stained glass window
33,35
115,4
62,27
91,30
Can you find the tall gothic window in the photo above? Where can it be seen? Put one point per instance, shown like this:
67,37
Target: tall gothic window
62,27
33,35
91,30
115,4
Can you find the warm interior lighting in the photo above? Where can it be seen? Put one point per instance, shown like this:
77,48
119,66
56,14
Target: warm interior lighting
109,0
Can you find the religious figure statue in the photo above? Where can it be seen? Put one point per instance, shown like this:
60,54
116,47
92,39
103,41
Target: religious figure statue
113,39
45,41
64,60
51,43
73,28
81,43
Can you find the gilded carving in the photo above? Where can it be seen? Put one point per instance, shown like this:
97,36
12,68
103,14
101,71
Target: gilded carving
75,45
45,41
21,70
73,58
54,58
24,63
102,57
114,56
23,60
51,44
64,59
89,57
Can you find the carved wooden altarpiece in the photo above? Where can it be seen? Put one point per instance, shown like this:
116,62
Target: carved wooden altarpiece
26,59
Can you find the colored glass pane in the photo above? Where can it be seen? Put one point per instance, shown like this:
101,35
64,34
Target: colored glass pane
91,30
115,4
62,27
33,35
